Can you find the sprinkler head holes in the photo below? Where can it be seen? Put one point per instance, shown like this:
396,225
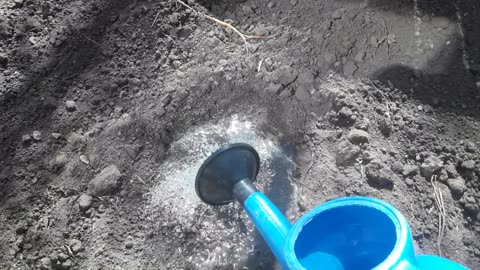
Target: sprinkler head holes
223,169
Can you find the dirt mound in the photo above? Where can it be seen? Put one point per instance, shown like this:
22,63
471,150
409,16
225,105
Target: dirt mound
107,107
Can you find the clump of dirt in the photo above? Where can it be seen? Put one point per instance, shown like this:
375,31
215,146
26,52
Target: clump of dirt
107,107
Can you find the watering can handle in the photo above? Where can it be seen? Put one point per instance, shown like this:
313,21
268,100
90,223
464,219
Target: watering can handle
425,262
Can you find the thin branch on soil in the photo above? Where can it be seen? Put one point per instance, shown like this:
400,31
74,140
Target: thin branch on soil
259,65
442,215
69,250
93,41
155,20
140,179
309,167
222,23
385,29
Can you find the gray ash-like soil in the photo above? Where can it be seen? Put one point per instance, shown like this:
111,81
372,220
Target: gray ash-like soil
108,107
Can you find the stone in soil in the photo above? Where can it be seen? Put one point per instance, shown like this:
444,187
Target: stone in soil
470,147
26,138
3,60
358,136
70,105
56,136
347,153
21,227
75,245
409,170
468,165
379,175
430,166
67,264
84,202
451,170
45,263
457,186
37,135
106,182
363,124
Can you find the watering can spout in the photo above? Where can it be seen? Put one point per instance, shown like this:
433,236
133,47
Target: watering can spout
343,234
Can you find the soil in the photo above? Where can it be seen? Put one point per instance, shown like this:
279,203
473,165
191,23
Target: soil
105,105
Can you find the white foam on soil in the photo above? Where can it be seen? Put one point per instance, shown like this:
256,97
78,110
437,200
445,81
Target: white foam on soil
218,242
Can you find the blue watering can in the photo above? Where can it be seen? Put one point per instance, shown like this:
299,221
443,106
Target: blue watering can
343,234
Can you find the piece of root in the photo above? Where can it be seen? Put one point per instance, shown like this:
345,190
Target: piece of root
442,214
244,37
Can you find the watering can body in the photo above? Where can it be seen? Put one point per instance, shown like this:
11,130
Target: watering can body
343,234
352,233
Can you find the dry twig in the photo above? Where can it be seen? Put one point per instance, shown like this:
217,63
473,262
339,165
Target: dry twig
222,23
442,215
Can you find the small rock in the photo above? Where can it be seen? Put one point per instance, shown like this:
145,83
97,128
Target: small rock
379,176
18,3
385,126
37,136
271,4
247,9
338,14
472,209
67,264
349,68
470,147
427,108
443,176
363,124
409,182
105,182
84,159
346,152
468,165
135,82
62,257
75,245
84,202
56,136
457,186
409,170
358,136
26,138
345,112
21,227
129,244
451,170
368,156
71,105
3,60
45,263
397,167
430,166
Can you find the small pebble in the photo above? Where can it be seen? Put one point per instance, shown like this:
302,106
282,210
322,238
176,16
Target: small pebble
37,136
26,138
71,105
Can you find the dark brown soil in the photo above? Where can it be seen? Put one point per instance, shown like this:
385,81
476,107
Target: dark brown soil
123,92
